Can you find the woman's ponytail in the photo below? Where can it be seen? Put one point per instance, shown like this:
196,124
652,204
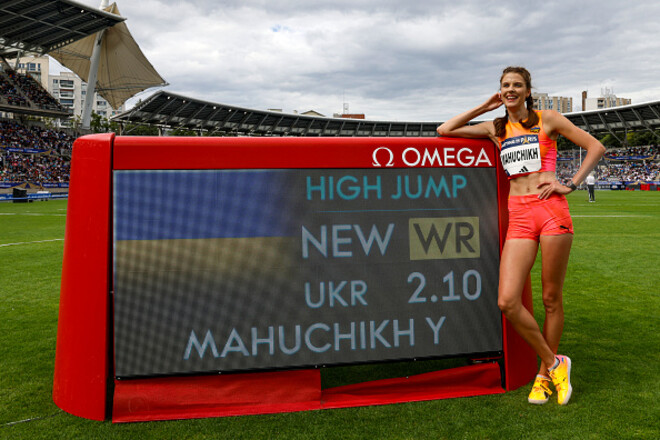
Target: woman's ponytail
532,117
500,124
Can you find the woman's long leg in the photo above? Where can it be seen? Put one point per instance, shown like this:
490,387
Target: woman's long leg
517,260
555,250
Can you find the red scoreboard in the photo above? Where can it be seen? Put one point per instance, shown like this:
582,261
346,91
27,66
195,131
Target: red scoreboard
219,276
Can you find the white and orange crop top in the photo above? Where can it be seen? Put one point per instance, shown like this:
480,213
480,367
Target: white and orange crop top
527,150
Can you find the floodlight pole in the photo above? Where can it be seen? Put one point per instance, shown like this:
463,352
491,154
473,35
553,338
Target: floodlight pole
18,59
93,74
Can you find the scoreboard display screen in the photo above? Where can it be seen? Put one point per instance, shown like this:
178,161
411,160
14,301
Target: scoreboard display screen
227,270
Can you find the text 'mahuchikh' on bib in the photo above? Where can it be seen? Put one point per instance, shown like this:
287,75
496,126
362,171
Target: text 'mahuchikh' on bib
521,154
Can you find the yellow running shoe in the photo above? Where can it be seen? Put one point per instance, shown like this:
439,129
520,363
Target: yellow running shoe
561,377
540,390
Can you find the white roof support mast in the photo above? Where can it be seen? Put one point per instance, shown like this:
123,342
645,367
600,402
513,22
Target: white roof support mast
93,73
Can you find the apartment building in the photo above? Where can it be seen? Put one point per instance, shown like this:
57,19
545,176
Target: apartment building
560,103
71,91
607,100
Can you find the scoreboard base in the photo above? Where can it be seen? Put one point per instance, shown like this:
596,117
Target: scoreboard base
170,398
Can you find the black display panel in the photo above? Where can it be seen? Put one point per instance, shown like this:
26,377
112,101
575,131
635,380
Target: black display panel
234,270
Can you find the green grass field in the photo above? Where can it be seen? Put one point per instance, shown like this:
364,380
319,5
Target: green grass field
612,305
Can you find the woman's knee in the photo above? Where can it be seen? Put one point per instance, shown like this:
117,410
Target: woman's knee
508,304
552,300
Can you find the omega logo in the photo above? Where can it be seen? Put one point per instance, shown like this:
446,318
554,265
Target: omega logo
387,153
445,157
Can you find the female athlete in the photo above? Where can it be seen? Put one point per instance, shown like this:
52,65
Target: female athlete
538,213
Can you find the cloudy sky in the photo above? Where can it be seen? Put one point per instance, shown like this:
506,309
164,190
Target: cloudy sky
395,59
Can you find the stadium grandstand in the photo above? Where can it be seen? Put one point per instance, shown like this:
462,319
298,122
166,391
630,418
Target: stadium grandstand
36,157
33,156
22,94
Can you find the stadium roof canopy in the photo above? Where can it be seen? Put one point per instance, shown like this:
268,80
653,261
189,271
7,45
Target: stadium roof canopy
172,111
44,25
618,121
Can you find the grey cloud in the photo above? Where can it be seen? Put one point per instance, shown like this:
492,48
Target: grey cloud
398,60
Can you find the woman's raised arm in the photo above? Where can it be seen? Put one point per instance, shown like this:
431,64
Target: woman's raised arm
457,127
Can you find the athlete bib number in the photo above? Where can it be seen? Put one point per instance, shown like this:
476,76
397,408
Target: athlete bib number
521,154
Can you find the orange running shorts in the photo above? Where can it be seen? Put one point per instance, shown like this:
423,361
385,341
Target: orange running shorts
531,217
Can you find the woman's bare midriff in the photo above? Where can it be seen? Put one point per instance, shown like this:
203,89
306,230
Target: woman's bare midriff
529,184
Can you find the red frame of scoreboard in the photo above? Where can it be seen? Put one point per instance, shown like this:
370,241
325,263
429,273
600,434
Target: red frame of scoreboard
84,381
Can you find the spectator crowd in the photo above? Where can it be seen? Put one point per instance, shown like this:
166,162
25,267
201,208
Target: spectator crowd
50,166
643,171
23,90
9,93
646,151
613,169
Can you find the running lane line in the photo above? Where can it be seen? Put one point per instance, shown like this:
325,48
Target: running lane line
31,213
30,242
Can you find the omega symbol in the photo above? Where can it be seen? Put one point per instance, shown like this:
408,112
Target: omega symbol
390,163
